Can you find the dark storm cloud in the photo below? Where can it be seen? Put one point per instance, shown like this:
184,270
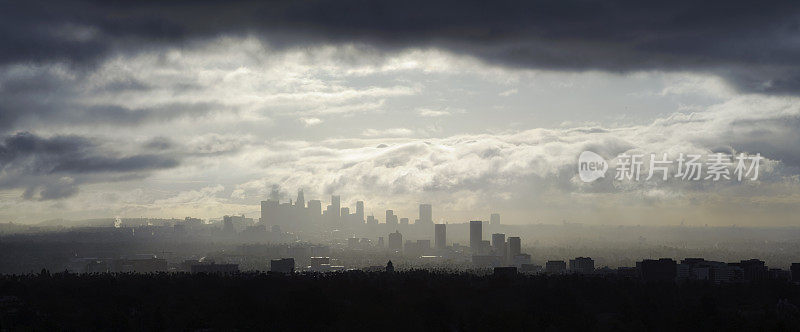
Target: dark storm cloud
71,154
65,108
159,143
752,44
776,138
55,166
43,95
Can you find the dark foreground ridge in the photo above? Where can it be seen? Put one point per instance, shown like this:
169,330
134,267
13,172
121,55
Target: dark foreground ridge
423,300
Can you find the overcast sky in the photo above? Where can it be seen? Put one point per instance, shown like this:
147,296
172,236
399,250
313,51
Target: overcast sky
200,108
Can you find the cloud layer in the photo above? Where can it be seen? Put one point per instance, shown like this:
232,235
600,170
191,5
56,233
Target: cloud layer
152,109
53,167
753,46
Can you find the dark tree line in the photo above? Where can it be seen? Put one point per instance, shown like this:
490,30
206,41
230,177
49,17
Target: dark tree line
423,300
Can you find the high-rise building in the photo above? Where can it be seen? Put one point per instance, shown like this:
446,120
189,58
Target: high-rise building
475,234
360,212
555,267
425,214
403,221
499,244
314,208
301,201
582,265
320,263
391,218
263,218
440,239
345,213
395,241
283,265
336,205
269,211
494,219
514,246
754,269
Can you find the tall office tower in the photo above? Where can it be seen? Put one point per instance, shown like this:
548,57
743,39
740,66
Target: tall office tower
499,244
336,202
403,221
329,214
514,246
269,211
495,219
391,219
425,214
314,208
345,214
440,240
371,220
263,218
395,241
301,200
285,216
360,212
475,234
